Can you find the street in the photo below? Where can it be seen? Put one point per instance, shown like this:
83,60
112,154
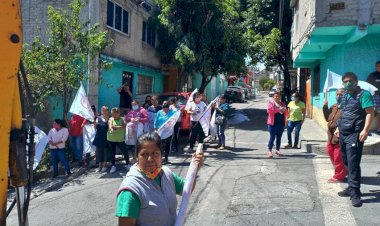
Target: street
236,186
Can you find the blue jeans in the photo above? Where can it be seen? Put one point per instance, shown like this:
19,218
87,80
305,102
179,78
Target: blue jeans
291,125
59,155
275,132
76,143
221,136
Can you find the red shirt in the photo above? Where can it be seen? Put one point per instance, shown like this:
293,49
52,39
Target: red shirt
76,122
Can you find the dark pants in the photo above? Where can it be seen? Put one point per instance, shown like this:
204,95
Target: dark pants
352,151
196,130
123,148
76,143
176,135
59,155
275,132
166,146
102,154
221,136
291,125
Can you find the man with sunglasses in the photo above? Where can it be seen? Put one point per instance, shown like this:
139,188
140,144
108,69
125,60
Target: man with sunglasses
353,127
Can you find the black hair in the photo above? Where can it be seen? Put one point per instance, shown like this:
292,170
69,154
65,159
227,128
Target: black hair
173,99
148,137
378,62
149,97
299,96
93,108
60,122
350,75
196,95
223,97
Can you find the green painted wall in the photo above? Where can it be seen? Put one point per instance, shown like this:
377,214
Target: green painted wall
220,86
112,79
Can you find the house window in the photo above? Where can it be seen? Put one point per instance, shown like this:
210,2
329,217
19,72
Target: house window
117,17
149,34
145,85
317,80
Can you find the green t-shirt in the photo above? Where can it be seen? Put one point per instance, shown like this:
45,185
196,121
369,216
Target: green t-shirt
366,100
117,135
295,111
128,204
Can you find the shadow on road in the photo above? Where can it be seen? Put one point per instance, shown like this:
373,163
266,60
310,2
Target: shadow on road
372,197
370,180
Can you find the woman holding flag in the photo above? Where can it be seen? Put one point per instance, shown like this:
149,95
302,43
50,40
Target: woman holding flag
196,110
161,117
147,195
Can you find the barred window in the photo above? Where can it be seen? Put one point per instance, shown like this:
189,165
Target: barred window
145,85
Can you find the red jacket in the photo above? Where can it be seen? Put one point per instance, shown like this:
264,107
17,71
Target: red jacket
273,109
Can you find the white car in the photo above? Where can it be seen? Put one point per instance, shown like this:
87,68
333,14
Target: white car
235,93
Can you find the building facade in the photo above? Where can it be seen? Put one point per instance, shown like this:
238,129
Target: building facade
334,35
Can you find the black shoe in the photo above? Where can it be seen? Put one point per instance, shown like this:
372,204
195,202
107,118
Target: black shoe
356,201
69,174
345,193
55,175
295,146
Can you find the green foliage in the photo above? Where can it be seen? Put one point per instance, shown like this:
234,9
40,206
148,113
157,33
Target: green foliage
57,67
202,37
266,83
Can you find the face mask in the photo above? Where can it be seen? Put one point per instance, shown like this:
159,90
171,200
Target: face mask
135,107
338,99
350,86
293,98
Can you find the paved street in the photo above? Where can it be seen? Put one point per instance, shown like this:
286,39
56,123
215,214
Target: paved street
237,186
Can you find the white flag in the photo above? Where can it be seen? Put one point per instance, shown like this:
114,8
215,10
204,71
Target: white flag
88,137
167,129
187,188
191,99
40,140
81,106
206,117
213,126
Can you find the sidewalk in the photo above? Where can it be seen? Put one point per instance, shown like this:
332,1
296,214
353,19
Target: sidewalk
314,138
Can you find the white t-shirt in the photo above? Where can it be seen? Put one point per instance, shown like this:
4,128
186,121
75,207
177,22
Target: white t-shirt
56,136
198,110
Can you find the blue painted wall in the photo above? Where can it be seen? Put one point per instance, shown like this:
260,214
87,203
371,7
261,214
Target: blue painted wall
112,79
219,89
358,57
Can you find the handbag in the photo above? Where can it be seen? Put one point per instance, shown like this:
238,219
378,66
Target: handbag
219,120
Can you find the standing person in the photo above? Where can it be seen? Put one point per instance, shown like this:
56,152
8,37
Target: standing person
196,111
152,111
374,79
137,115
57,138
297,113
222,113
100,140
148,102
176,106
125,98
147,195
76,137
116,137
353,127
161,117
87,140
332,115
277,118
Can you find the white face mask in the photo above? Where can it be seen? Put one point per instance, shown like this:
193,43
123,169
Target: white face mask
135,107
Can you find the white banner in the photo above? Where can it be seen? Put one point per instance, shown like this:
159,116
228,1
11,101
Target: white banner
213,126
167,129
191,99
206,117
88,136
40,140
187,188
132,132
81,106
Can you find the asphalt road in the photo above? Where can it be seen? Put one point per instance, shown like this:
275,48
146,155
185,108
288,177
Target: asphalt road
236,186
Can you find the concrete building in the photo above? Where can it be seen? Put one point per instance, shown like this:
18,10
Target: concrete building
333,35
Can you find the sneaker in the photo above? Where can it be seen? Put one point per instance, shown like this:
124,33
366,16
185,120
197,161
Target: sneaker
345,193
221,148
279,153
295,146
288,146
104,169
69,174
356,201
113,169
270,155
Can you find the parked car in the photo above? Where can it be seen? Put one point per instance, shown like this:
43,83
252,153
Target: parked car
183,97
272,92
235,94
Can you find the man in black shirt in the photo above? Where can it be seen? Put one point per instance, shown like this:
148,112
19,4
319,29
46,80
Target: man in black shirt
125,98
374,79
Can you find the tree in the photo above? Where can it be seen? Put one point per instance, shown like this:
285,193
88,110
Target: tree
57,67
202,37
269,42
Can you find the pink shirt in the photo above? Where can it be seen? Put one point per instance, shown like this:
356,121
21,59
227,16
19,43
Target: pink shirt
273,109
141,114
